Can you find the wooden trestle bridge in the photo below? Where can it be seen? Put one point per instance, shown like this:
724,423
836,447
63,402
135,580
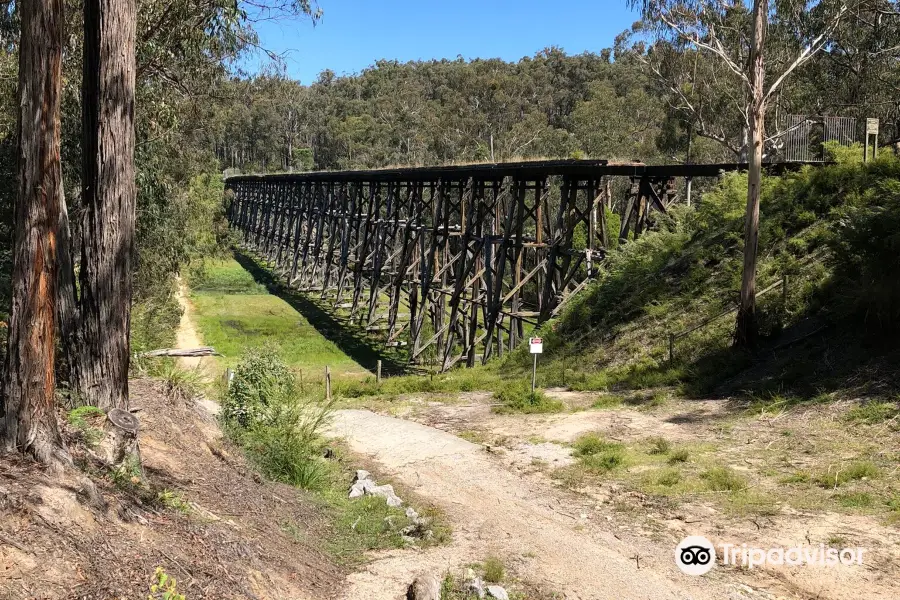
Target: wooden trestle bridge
452,262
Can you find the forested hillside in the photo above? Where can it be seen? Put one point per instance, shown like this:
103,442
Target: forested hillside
197,115
656,101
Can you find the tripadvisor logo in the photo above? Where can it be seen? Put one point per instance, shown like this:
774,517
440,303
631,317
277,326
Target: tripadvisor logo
695,555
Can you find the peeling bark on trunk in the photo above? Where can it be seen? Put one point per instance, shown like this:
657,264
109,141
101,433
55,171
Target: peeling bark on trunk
101,370
29,415
746,330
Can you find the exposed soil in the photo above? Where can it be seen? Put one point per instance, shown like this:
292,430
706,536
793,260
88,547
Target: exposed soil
188,336
55,543
587,543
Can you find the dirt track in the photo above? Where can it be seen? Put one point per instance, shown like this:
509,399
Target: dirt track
495,512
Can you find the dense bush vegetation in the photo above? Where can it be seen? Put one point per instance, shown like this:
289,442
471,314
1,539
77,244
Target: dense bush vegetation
832,232
279,429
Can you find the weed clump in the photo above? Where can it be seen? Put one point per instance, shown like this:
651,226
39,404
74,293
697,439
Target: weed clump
494,570
853,472
681,455
85,419
597,454
668,477
660,445
724,479
872,413
519,398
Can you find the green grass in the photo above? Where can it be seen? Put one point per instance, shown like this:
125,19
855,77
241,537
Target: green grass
493,569
838,476
518,398
724,479
87,420
680,455
873,413
233,313
598,455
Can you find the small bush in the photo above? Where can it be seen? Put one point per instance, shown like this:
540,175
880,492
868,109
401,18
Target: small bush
608,401
668,477
608,460
260,377
86,419
280,430
519,398
182,384
590,444
494,570
798,477
164,587
680,455
855,500
660,445
597,454
724,479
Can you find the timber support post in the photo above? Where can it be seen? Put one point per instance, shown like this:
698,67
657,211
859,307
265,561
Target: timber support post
448,265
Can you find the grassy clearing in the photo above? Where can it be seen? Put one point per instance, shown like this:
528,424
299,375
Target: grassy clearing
234,312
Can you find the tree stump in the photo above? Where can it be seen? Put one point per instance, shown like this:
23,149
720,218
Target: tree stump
120,438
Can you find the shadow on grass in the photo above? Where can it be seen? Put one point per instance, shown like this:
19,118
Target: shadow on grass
362,350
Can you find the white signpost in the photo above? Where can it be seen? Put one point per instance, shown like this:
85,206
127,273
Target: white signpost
536,346
872,128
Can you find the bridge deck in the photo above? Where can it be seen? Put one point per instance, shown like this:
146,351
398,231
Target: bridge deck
528,169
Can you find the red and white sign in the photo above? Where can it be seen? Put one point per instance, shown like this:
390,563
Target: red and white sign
536,345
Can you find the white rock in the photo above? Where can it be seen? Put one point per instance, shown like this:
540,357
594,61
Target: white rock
386,492
362,475
495,591
425,587
362,487
476,587
411,514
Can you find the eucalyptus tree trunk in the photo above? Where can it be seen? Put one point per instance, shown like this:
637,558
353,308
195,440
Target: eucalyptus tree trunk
746,331
29,412
100,372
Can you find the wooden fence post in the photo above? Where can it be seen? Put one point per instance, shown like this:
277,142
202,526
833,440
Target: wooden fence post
378,373
327,383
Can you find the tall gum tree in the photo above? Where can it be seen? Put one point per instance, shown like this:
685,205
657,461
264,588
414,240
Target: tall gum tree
100,371
708,26
29,414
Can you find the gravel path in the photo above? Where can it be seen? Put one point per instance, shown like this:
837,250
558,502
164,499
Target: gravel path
494,511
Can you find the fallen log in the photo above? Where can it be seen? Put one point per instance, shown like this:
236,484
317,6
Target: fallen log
183,352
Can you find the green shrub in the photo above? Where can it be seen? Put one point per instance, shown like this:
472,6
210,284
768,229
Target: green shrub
680,455
519,398
873,412
280,430
493,569
668,477
855,500
590,444
609,459
259,377
724,479
855,471
660,445
597,454
86,419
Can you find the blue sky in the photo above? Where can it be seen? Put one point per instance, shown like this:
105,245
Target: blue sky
353,34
